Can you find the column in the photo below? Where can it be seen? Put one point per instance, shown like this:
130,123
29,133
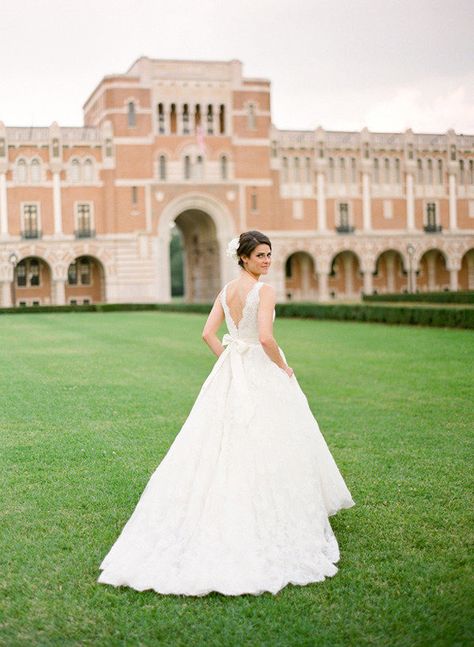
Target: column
390,261
410,203
323,277
58,225
348,275
322,221
368,283
3,205
59,292
453,280
431,267
366,207
453,224
6,294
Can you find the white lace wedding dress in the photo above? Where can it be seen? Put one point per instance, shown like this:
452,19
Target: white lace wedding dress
240,502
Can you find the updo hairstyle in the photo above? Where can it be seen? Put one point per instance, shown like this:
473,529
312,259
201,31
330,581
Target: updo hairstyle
248,241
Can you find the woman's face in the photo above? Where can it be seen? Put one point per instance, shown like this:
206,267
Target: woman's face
259,260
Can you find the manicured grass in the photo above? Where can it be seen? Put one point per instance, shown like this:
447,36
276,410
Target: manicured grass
90,403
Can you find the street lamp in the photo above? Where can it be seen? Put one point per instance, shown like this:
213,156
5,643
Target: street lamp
410,251
13,258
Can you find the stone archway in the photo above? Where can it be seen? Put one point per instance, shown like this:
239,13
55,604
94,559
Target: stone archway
433,274
345,280
32,282
390,275
466,273
300,277
206,226
85,281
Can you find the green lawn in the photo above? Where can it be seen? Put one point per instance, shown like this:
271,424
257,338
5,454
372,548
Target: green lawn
89,406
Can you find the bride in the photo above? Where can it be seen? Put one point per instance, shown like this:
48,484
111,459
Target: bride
240,503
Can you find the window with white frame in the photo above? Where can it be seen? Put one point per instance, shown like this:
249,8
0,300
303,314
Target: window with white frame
30,220
161,118
28,273
35,171
296,169
21,172
462,178
419,168
308,170
210,119
199,167
285,169
80,271
162,168
88,171
84,219
376,171
342,170
251,117
224,169
331,170
186,119
131,115
343,214
431,215
440,171
398,177
353,170
75,173
386,170
187,167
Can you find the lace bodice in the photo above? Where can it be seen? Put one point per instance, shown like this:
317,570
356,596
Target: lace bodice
247,328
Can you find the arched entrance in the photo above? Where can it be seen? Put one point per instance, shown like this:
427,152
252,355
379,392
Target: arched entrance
32,282
432,275
345,280
390,275
466,273
201,256
300,277
85,281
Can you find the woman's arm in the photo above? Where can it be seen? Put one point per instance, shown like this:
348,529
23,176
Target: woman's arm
265,328
212,325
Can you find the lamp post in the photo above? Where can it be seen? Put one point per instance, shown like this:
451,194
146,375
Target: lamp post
13,258
410,251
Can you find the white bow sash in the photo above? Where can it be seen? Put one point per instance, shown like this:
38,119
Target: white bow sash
236,348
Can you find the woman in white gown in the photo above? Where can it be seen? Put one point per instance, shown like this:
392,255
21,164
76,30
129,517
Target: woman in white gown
240,503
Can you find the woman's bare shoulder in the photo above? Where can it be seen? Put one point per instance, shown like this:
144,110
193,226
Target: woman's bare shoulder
267,291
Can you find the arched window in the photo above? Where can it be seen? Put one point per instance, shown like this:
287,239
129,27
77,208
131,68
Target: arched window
210,120
353,170
187,168
331,170
173,119
386,165
21,172
185,119
88,171
296,169
222,119
461,172
132,115
224,167
35,171
342,170
75,171
397,171
440,171
162,167
419,165
308,169
376,171
429,165
251,121
161,118
199,167
197,116
285,169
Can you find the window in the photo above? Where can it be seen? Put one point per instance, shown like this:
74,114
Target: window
397,171
30,221
343,214
108,147
453,153
440,171
72,274
132,115
3,149
410,151
210,120
353,170
185,119
75,171
296,171
187,168
342,170
419,166
173,118
35,171
88,172
308,170
199,167
197,116
34,272
21,172
331,170
431,214
134,195
251,120
471,171
274,149
28,273
429,165
253,200
84,220
285,169
80,271
386,170
162,167
288,267
222,119
55,148
21,274
366,151
223,167
376,171
461,172
161,118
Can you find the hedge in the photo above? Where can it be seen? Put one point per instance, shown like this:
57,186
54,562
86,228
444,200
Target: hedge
412,315
463,296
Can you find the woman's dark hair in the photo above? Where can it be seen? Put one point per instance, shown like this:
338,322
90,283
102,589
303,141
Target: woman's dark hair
248,241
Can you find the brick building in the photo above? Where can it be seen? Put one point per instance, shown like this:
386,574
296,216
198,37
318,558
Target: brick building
87,214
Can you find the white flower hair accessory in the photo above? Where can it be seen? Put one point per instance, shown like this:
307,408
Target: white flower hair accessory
232,248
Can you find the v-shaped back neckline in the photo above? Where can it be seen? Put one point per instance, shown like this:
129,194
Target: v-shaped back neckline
236,326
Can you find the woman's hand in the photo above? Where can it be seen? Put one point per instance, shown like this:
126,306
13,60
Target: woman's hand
289,371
